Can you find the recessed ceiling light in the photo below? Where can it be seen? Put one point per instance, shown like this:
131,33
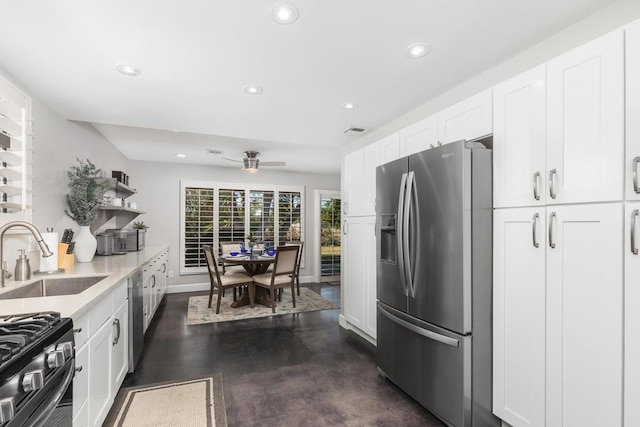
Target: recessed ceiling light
284,13
349,106
252,89
418,50
181,156
128,70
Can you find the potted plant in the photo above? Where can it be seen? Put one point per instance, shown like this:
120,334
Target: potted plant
140,225
84,197
252,238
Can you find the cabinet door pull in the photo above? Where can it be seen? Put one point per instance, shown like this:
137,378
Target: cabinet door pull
345,208
116,323
636,160
344,227
77,330
534,227
552,190
536,185
634,244
78,368
552,244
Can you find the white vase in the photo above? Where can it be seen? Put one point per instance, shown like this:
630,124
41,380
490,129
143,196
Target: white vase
86,244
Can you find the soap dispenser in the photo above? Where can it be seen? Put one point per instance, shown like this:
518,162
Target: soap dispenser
23,270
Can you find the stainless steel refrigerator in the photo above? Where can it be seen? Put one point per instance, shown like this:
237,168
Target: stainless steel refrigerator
434,247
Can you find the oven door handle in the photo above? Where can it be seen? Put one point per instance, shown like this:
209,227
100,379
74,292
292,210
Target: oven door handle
44,412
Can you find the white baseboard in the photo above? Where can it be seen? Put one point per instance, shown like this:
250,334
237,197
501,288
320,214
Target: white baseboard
190,287
342,321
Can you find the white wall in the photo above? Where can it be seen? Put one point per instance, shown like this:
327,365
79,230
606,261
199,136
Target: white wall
56,144
615,16
158,186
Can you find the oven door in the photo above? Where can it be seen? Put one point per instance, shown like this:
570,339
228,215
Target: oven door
38,410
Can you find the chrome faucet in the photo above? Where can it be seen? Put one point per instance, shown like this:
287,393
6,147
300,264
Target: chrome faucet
32,228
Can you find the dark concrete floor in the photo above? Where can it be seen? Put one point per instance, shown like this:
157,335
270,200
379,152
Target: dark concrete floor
290,370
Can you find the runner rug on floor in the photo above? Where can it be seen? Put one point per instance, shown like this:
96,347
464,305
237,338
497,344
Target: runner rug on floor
199,312
190,403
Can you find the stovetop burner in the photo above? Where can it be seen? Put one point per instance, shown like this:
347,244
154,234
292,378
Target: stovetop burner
17,332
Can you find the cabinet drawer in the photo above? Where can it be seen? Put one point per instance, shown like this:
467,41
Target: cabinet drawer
119,294
100,313
81,329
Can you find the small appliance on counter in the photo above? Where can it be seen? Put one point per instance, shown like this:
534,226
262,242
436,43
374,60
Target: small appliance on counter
105,243
119,241
135,240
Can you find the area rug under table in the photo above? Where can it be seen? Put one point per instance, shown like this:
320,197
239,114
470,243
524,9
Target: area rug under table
196,402
199,312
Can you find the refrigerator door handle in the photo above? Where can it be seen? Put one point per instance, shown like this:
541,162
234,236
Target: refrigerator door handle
423,332
400,225
406,253
410,258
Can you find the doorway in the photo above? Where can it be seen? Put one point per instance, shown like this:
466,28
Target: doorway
329,232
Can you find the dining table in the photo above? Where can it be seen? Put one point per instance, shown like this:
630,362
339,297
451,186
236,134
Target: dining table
253,265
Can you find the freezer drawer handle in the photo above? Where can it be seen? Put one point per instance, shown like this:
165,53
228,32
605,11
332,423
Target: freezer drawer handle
534,227
536,185
634,244
423,332
636,160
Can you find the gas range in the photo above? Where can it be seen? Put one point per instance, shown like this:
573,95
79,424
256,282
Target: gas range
36,366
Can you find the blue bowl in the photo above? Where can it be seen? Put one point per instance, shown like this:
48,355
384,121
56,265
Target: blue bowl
271,252
244,251
233,253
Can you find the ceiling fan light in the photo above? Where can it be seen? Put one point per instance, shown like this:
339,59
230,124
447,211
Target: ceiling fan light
250,164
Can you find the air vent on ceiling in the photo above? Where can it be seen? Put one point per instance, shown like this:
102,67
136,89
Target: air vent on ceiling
213,151
355,131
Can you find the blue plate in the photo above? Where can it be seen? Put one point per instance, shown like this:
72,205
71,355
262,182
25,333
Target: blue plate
233,253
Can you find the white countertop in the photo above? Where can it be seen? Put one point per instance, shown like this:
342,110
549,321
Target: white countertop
117,267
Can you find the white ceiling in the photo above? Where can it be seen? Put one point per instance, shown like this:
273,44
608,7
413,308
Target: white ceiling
196,56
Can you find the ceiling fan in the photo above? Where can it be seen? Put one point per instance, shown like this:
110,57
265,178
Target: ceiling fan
251,161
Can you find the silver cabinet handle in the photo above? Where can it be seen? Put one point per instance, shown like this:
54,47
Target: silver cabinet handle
116,323
552,190
636,160
344,227
78,368
534,226
552,244
345,207
77,330
634,245
536,186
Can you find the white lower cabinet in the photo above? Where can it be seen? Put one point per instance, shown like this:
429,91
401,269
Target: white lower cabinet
519,315
120,355
100,374
558,357
359,282
632,315
81,388
101,359
584,316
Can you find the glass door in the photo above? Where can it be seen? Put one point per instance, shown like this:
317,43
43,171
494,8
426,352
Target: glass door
330,233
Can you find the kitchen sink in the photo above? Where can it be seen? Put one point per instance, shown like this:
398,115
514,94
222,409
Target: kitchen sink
52,287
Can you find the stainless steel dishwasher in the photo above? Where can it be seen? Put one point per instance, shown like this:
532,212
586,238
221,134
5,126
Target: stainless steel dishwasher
136,318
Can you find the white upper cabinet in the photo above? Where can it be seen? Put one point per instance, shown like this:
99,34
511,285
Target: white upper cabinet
389,148
632,166
419,136
585,122
354,172
469,119
519,140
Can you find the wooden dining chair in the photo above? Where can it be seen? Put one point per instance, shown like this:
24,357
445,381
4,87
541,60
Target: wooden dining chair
282,276
222,282
225,249
298,262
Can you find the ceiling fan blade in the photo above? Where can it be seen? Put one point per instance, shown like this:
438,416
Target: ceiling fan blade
273,164
232,160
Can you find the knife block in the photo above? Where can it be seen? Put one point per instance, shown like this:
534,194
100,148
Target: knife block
65,260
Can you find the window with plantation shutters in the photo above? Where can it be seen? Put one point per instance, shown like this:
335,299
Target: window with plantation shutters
231,221
198,224
214,212
289,216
